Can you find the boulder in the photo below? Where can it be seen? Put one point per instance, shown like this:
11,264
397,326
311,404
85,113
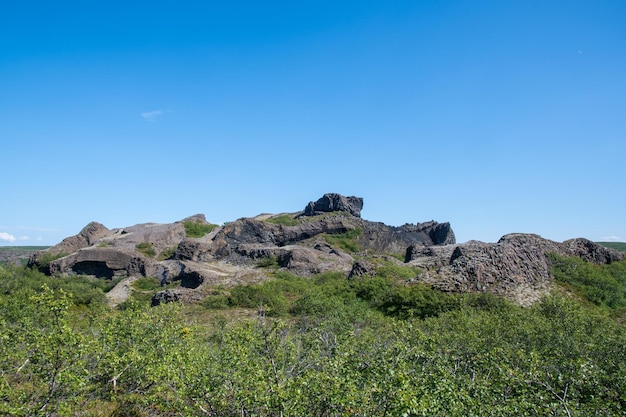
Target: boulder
164,297
334,202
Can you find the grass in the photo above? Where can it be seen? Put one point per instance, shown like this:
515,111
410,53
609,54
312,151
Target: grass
347,241
198,229
285,220
602,285
620,246
167,253
146,248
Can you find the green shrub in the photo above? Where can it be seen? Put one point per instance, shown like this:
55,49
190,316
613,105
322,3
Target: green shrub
268,262
603,285
167,253
285,220
146,284
216,301
261,296
394,271
348,241
44,259
198,229
146,248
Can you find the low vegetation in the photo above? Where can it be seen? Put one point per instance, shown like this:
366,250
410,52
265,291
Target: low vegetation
603,285
321,346
347,241
196,229
146,248
285,220
621,246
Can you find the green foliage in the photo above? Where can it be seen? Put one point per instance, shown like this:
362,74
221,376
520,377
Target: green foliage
45,258
195,229
603,285
620,246
146,284
347,241
318,346
146,248
391,270
268,262
167,253
285,220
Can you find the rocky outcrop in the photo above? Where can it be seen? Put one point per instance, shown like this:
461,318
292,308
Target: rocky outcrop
105,262
88,236
379,237
334,202
517,266
329,235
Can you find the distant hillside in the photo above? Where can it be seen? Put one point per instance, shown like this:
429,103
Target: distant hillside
18,254
621,246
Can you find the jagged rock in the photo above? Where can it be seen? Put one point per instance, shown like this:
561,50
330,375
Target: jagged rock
305,261
379,237
334,202
194,250
362,268
517,262
198,218
85,238
516,266
164,297
233,238
591,252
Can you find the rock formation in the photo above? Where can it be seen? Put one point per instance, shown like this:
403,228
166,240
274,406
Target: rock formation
517,266
334,202
329,235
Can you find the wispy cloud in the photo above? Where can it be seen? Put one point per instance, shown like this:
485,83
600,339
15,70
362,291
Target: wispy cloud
7,237
152,116
612,239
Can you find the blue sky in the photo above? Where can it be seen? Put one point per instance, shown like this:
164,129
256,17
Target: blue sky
497,116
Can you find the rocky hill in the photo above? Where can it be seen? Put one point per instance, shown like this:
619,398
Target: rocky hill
327,235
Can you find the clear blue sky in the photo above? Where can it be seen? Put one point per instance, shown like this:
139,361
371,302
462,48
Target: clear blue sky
497,116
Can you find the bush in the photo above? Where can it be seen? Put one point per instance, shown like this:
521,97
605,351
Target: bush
348,241
146,248
198,229
285,220
167,253
603,285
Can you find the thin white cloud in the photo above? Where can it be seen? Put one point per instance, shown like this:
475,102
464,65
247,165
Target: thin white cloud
612,239
7,237
152,116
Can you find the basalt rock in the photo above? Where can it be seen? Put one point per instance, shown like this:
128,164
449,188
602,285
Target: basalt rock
85,238
334,202
517,266
329,235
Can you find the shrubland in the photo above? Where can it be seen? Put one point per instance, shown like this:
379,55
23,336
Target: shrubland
319,346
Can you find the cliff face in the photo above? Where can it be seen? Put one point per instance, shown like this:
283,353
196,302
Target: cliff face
328,235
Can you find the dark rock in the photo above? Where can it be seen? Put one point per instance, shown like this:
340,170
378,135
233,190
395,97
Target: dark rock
516,266
335,202
164,297
591,251
362,268
379,237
